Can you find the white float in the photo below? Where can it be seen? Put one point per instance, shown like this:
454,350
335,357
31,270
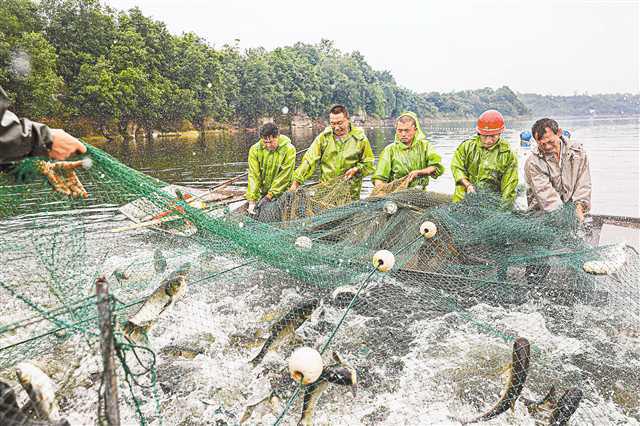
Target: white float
303,242
383,260
305,365
428,229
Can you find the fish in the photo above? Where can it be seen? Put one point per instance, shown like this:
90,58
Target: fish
181,351
611,261
518,370
286,326
551,411
40,388
271,402
159,261
542,409
339,373
168,292
567,405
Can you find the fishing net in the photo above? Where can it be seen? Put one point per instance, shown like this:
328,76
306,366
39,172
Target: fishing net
208,303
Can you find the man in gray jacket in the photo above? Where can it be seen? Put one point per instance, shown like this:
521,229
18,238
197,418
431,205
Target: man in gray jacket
557,171
20,137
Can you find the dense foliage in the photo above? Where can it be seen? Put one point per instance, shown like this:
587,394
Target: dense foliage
96,69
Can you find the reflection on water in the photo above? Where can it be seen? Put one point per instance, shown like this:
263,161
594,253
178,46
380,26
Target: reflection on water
612,143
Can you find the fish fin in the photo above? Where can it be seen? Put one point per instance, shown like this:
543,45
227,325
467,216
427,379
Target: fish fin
248,411
506,370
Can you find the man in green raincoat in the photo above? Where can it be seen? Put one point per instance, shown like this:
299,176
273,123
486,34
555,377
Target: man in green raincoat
271,163
410,155
342,150
486,161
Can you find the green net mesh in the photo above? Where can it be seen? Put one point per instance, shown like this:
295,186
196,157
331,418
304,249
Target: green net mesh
209,303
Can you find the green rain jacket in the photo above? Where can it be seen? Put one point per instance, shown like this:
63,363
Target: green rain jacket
397,159
270,172
336,157
495,169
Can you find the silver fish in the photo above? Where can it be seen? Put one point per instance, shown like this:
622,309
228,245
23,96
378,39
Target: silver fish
339,373
286,326
40,388
518,370
168,292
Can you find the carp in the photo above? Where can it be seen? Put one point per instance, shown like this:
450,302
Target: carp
517,375
554,412
168,292
286,326
40,388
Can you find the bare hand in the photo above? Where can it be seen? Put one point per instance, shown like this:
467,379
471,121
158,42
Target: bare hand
471,189
294,186
64,145
251,208
413,175
580,213
351,172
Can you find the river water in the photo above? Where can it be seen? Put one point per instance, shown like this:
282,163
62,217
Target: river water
613,145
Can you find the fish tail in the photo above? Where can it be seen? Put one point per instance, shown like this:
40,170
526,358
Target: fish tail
258,358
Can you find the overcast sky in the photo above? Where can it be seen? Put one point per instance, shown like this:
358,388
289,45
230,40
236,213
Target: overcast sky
543,46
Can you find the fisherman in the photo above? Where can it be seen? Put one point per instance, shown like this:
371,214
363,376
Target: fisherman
557,171
342,150
410,155
20,137
486,161
271,163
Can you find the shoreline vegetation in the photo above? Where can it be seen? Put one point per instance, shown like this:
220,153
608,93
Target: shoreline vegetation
105,73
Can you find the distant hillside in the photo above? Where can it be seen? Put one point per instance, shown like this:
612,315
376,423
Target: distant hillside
614,104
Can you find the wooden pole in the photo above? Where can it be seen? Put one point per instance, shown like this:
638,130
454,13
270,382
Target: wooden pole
107,344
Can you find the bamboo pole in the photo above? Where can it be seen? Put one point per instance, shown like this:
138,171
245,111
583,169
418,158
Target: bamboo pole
107,344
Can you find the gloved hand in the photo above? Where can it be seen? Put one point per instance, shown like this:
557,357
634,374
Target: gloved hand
252,208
